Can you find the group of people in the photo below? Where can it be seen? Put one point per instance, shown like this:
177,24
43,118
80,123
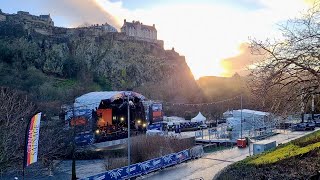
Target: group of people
111,132
109,129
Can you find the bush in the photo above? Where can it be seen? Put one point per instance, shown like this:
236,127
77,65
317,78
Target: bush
144,148
148,147
102,81
113,163
70,68
307,140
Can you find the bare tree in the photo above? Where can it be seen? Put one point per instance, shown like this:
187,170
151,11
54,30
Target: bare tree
15,113
55,141
290,70
14,108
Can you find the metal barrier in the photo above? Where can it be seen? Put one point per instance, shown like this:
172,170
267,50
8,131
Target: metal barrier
210,134
196,152
143,167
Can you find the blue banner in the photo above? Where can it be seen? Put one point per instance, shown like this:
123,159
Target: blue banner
157,126
143,167
78,112
169,160
182,156
135,170
155,164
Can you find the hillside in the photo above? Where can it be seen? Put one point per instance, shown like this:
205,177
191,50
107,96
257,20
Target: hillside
298,159
216,87
56,64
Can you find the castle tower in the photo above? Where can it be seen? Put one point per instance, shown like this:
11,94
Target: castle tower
139,31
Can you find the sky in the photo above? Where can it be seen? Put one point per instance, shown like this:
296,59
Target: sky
213,35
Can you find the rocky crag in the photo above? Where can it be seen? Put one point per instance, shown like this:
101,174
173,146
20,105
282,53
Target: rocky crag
59,63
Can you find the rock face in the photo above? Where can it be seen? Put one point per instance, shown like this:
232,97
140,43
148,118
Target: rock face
85,53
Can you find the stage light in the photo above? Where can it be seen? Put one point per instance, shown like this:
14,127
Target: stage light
122,119
114,118
97,131
144,125
139,121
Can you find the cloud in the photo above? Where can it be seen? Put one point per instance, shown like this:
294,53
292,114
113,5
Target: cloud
77,12
241,62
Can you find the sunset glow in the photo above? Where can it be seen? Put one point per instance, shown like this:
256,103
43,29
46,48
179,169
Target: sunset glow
207,33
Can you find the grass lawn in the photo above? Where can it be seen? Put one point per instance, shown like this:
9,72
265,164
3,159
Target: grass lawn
299,158
294,148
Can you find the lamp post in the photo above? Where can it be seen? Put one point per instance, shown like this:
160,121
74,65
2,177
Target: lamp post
129,150
312,107
73,171
241,118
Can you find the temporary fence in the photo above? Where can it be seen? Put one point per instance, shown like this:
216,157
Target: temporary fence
196,151
233,134
144,167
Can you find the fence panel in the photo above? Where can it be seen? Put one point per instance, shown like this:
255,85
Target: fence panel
144,167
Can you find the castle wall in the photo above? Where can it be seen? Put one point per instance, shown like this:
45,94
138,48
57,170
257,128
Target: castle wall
44,25
27,18
42,31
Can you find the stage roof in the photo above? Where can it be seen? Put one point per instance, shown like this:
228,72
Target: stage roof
92,100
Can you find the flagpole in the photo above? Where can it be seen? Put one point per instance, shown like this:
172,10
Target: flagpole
26,147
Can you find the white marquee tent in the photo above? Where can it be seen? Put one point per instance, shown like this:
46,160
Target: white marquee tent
199,118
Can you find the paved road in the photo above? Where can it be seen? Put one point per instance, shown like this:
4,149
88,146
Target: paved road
210,164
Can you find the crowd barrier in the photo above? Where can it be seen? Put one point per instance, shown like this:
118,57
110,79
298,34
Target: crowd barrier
143,167
196,151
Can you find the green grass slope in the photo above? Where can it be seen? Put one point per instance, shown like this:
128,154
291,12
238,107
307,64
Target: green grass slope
298,159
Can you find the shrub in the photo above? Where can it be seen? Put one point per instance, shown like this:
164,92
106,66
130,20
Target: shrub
149,147
307,140
113,163
144,148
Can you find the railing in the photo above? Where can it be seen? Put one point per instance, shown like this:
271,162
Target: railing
234,134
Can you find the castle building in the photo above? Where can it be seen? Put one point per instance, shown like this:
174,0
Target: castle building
105,27
109,28
47,18
140,31
27,17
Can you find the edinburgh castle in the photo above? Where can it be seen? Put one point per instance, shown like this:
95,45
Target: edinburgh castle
43,24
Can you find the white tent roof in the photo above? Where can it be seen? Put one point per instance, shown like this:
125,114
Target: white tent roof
92,100
227,113
248,111
199,117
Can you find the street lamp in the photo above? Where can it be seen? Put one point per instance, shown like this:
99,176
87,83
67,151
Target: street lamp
128,93
241,119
